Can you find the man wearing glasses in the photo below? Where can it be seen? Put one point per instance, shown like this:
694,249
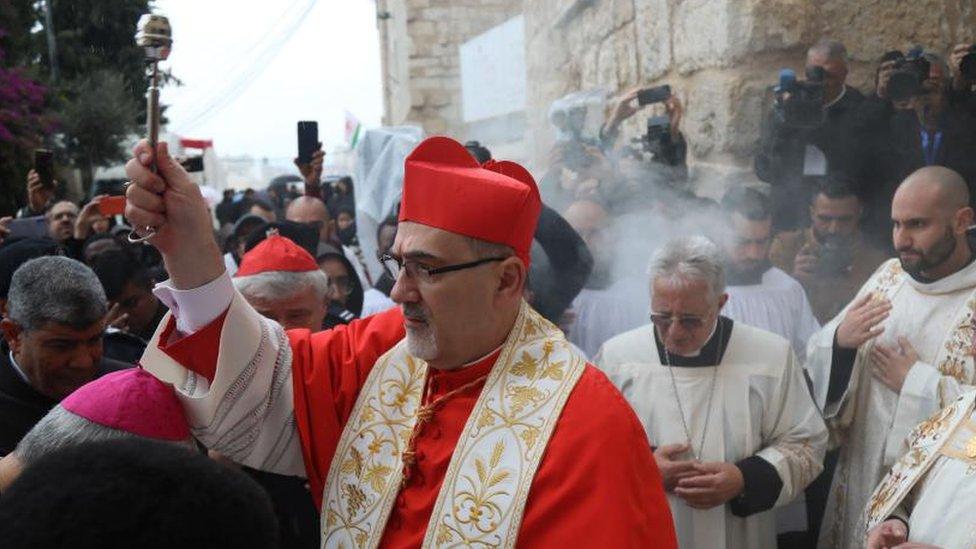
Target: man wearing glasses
480,427
736,430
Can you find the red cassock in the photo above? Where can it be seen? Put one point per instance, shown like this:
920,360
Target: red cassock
597,484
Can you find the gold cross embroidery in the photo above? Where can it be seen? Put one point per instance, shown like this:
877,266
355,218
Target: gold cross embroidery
971,448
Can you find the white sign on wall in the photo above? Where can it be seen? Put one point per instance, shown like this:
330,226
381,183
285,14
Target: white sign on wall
493,72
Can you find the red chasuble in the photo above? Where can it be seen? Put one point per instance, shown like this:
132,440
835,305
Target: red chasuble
597,484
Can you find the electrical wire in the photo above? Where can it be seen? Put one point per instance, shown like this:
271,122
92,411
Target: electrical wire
250,66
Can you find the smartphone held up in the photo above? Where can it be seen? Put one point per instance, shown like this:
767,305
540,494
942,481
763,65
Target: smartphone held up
649,96
44,166
308,140
308,143
110,206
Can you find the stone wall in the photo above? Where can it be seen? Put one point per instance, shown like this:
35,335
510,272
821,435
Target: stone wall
719,55
420,56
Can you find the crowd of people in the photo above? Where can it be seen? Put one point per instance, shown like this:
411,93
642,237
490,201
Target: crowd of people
790,365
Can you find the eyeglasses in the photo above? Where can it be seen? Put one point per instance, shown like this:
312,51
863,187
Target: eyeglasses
425,273
663,321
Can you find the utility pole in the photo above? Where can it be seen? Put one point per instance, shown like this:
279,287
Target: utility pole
52,47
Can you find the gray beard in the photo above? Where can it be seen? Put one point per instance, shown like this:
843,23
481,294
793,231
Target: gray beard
421,343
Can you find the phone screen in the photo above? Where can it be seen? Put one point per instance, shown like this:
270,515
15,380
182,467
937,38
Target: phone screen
308,140
654,95
28,227
111,206
44,166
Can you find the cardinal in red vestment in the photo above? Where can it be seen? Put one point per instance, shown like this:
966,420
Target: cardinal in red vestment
461,418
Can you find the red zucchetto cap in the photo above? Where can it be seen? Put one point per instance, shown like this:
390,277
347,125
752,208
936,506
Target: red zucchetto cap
276,253
133,401
444,187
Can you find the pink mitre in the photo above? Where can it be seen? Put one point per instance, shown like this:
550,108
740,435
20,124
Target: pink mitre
133,401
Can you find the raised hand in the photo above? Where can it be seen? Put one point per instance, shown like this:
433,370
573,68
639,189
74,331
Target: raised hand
38,194
116,318
675,111
884,76
86,217
312,171
805,264
4,227
959,51
172,204
861,323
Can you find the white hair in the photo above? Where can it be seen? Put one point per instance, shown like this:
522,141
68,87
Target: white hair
690,258
277,285
61,429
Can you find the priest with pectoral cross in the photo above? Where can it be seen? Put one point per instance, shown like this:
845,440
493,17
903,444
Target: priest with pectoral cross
482,427
736,430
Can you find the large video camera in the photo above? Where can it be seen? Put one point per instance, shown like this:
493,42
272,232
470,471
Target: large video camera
799,103
910,71
657,139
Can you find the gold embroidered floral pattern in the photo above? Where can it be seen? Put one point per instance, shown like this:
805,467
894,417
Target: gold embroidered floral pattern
925,441
882,495
958,361
804,466
932,427
888,280
484,491
367,465
477,505
482,498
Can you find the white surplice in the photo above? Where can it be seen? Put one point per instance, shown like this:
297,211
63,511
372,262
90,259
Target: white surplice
778,304
761,407
871,421
602,314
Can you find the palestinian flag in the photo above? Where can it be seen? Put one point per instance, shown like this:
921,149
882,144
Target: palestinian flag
353,129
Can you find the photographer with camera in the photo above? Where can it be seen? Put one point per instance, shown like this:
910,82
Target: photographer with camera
663,141
816,127
962,62
925,128
830,258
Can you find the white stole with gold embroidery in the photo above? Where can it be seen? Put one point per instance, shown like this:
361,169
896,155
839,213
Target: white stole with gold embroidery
925,442
483,495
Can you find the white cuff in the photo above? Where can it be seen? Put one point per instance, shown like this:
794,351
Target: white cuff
194,309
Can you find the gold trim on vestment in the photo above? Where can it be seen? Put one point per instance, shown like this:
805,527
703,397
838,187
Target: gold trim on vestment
922,453
962,443
483,494
954,359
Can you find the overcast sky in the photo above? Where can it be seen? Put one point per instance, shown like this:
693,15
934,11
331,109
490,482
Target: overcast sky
327,62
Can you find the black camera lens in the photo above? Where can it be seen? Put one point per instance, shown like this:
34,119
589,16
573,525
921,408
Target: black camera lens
904,85
967,66
906,80
816,73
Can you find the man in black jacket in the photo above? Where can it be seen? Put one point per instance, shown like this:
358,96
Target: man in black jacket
792,158
934,132
930,129
52,341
